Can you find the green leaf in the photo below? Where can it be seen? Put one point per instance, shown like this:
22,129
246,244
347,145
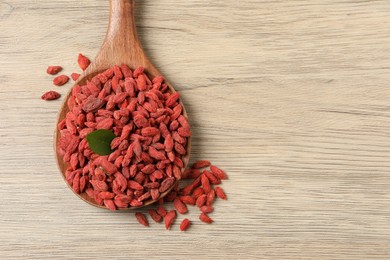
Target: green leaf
100,141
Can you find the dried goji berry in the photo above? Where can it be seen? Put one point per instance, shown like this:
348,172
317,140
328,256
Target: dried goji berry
60,80
142,219
52,70
51,95
83,61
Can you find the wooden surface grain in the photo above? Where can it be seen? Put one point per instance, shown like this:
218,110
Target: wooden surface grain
291,98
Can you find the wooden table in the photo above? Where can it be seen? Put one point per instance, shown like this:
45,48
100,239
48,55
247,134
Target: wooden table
291,98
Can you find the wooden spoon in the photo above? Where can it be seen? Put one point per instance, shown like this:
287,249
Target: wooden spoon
121,45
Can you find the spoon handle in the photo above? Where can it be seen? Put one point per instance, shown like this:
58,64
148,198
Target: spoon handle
122,28
121,44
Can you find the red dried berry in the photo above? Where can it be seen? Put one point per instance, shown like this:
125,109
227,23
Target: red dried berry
110,204
155,194
52,70
126,71
117,72
106,195
212,178
168,143
144,196
161,211
185,224
206,209
99,185
166,184
220,193
201,200
180,206
171,101
138,71
142,219
170,218
83,61
188,200
180,149
75,76
60,80
134,185
205,218
154,215
201,164
210,198
149,131
136,203
218,172
51,95
198,192
205,183
185,132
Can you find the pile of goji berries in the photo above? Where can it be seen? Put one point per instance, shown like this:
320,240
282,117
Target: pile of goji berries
151,139
199,192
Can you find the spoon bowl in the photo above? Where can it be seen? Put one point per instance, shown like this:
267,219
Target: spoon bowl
120,46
